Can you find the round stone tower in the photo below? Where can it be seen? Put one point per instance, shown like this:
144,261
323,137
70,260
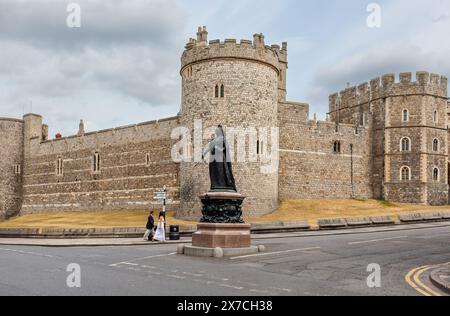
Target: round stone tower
11,165
236,85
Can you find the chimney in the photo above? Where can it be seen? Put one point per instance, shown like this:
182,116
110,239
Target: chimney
81,128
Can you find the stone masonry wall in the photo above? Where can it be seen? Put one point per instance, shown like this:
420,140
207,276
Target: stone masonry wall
11,150
309,167
127,180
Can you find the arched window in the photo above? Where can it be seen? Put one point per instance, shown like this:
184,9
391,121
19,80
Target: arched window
405,144
405,116
436,174
405,174
96,167
222,91
216,91
435,145
436,117
337,147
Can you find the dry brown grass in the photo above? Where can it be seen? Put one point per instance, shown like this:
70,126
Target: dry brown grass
86,220
291,210
313,210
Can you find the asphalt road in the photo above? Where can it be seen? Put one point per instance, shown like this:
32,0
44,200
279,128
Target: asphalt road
308,265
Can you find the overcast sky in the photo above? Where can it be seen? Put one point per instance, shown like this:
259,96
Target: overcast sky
122,65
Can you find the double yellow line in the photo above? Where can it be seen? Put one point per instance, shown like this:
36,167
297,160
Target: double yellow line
413,279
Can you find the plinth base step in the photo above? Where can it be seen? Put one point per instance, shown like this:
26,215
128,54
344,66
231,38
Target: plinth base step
192,251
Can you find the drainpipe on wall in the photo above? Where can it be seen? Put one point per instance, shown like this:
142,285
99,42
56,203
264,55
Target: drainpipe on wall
351,171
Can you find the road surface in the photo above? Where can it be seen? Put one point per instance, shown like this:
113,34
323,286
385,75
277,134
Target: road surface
308,265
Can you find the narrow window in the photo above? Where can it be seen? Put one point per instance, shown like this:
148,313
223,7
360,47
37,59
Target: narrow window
435,145
59,167
222,91
436,174
436,117
147,159
17,169
405,144
405,116
405,174
216,91
362,119
97,162
257,147
337,147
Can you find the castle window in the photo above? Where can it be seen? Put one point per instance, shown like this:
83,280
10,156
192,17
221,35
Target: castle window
59,167
405,144
17,169
436,174
435,145
435,117
362,119
405,116
147,159
222,91
96,163
405,174
216,91
337,147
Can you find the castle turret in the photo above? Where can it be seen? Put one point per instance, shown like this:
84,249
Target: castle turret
235,85
11,166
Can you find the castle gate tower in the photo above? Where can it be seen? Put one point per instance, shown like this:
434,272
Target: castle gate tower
236,85
11,165
409,134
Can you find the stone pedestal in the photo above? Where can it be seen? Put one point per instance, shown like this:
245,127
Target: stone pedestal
222,232
222,235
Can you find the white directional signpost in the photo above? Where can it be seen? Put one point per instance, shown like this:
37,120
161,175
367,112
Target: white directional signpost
162,197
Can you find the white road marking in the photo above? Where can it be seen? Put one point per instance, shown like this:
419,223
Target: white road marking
129,262
375,240
27,253
275,253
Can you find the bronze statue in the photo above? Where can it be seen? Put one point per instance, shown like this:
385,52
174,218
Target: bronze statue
220,168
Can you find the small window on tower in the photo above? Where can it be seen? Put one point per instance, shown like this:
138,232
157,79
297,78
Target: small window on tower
147,159
222,91
405,174
59,167
216,91
405,144
405,118
17,169
436,174
337,147
96,163
435,145
435,117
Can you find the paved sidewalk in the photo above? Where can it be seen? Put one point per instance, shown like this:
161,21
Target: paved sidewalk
441,278
88,242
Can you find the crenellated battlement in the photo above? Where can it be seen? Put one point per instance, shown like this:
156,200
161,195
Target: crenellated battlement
198,50
390,85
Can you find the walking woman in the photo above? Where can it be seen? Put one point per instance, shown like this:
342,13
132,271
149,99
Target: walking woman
160,234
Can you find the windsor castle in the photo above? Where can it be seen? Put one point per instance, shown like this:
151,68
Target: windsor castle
384,139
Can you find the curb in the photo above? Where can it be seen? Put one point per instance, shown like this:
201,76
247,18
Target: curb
441,278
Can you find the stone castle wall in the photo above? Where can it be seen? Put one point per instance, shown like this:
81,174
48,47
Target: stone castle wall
127,177
11,149
309,166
